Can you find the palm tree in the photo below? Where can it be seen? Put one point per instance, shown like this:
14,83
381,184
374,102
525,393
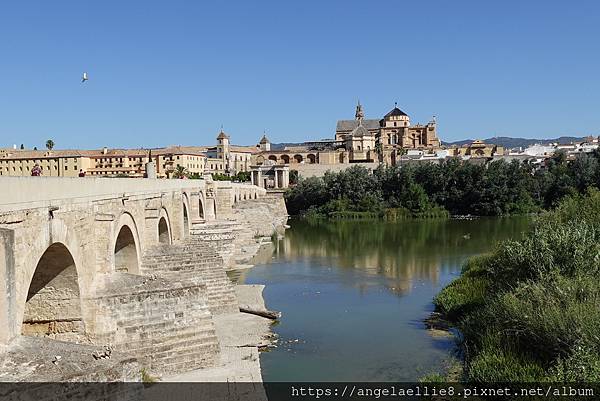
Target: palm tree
401,151
180,172
49,144
379,151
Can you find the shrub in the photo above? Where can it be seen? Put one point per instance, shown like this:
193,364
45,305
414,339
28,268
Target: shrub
465,293
530,310
498,365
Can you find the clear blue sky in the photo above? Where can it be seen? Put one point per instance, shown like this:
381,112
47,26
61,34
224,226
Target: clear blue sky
171,72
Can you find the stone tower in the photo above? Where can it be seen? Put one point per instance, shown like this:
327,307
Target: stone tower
223,150
360,114
223,146
265,144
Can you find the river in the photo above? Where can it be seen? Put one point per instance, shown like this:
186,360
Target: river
354,295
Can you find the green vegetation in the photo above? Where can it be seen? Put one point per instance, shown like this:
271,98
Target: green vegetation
454,187
530,310
147,378
180,172
294,177
242,176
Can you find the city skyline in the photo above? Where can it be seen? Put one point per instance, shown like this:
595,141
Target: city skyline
174,75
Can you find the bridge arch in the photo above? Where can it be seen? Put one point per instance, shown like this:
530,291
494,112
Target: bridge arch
201,204
127,246
164,227
53,303
186,214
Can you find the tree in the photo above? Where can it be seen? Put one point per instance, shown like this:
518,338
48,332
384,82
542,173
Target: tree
401,152
379,151
49,144
180,172
585,171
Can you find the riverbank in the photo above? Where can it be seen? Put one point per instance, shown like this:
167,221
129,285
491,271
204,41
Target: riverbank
528,311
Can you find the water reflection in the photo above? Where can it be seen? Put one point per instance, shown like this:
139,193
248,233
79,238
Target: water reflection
354,294
415,250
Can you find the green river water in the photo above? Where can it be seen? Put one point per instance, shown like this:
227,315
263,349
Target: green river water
354,295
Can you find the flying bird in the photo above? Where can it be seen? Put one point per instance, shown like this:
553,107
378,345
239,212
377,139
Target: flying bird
84,77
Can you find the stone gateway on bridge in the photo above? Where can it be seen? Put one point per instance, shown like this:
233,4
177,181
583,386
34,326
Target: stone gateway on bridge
137,266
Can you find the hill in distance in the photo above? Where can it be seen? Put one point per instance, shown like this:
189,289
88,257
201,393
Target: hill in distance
508,142
505,141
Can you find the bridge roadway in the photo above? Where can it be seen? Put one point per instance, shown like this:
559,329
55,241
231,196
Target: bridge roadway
101,261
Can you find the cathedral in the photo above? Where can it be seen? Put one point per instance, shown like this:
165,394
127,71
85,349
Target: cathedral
368,142
393,134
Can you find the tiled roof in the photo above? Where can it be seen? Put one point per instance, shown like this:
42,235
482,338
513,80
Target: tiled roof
99,153
360,130
396,112
349,125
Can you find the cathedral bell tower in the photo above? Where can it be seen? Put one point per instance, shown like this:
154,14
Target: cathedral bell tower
360,114
223,147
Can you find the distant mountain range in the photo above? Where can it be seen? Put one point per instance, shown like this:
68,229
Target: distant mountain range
505,141
508,142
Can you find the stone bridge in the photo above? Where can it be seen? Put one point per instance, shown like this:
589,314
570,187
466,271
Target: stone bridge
137,264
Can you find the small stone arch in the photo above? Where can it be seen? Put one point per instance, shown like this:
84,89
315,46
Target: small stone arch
260,160
285,159
255,195
298,158
201,207
126,246
165,234
312,159
53,303
273,157
186,214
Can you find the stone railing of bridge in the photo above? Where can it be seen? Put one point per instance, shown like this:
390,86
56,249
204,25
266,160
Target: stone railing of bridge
76,260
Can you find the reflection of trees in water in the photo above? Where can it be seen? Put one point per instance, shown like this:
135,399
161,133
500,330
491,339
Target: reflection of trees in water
402,251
